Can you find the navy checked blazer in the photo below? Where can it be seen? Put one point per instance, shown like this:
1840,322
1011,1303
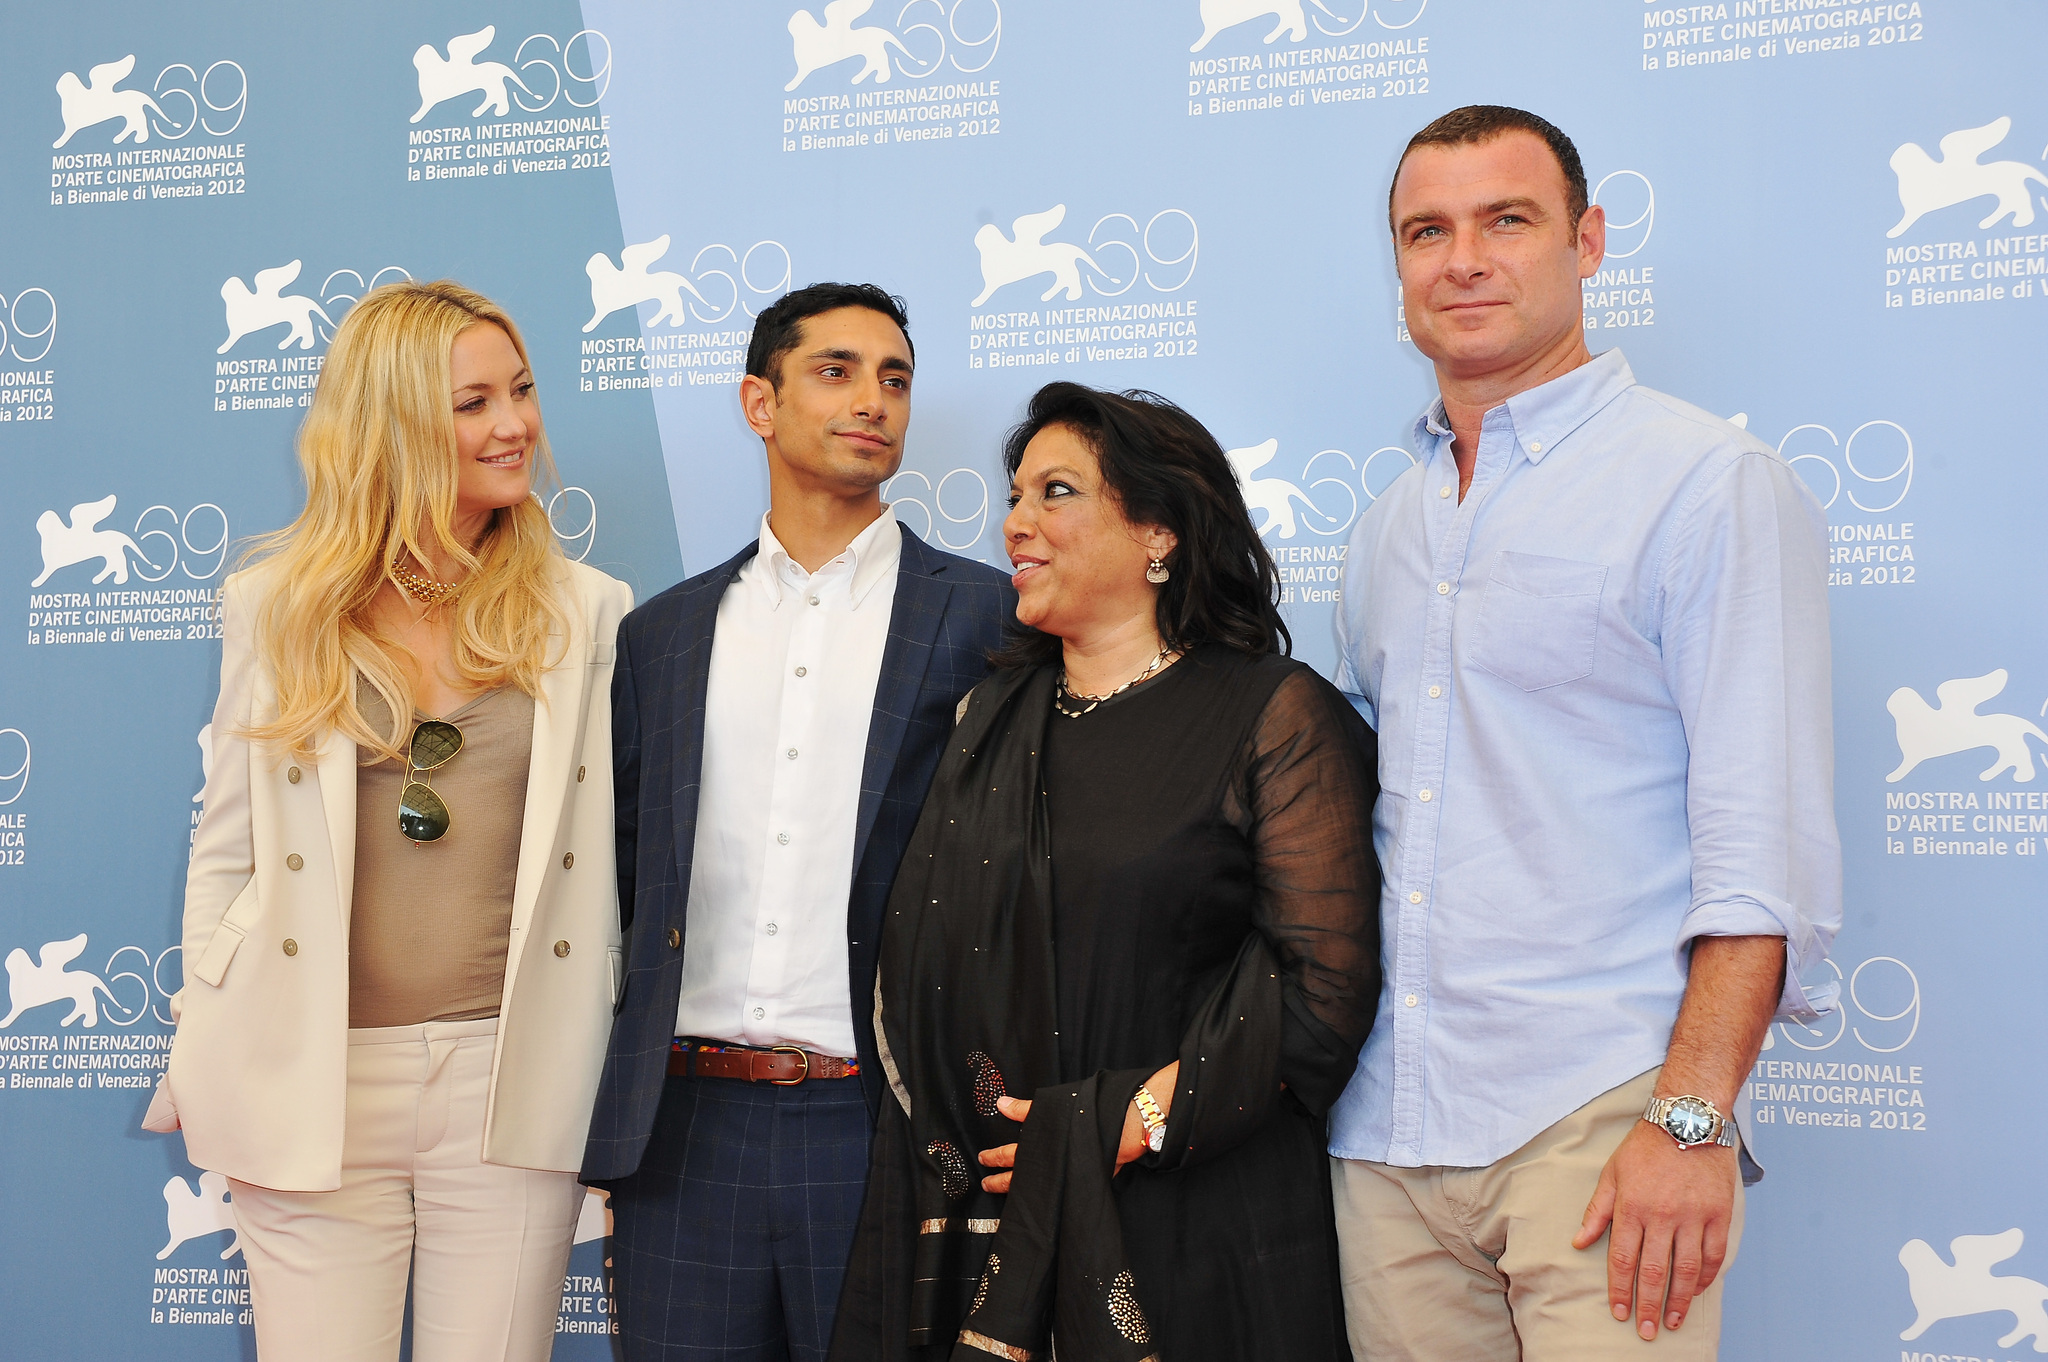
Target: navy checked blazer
949,612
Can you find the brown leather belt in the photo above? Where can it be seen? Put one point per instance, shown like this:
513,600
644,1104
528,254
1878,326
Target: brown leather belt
782,1065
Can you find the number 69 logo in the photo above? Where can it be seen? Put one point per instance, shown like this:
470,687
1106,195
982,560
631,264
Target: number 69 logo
1885,995
1884,442
954,510
28,324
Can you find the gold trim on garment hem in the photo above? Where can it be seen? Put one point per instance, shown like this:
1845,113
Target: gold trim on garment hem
1009,1352
888,1059
973,1226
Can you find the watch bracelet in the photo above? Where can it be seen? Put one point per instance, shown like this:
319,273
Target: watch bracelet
1726,1136
1149,1114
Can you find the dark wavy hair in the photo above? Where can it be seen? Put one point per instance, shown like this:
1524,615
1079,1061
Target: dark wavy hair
1164,468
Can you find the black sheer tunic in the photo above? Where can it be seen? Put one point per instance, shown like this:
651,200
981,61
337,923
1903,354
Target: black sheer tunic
1227,797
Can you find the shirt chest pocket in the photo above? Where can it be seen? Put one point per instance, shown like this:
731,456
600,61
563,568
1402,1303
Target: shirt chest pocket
1539,620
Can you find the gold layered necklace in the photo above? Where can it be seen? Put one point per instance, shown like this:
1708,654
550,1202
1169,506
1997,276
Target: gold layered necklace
422,588
1063,695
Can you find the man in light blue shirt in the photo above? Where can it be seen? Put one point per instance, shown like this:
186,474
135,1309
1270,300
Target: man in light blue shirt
1591,629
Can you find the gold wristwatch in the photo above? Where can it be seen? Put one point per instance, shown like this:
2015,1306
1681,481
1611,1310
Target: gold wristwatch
1150,1117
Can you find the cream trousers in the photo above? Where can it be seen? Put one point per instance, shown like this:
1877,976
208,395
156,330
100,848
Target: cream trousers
485,1247
1477,1264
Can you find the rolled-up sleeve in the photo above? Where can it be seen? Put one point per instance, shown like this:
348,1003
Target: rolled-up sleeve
1746,656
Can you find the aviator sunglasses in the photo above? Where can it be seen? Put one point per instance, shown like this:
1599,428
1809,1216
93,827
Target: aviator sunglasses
422,814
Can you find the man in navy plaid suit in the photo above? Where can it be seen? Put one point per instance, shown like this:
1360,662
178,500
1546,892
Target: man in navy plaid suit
776,724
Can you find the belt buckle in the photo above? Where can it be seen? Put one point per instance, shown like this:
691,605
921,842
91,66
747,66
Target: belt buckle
800,1053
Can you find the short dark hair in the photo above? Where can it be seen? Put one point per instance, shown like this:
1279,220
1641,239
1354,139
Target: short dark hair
779,328
1164,468
1482,123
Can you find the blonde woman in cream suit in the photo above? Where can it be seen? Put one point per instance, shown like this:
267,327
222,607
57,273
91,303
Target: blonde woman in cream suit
391,1029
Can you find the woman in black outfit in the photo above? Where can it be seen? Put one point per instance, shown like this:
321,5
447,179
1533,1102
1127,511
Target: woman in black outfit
1142,896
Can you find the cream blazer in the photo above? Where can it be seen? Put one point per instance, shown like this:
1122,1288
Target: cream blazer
258,1070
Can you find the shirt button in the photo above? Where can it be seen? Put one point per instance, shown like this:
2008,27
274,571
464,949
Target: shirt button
295,861
814,600
579,775
782,837
1415,896
760,1012
1436,692
773,929
1424,796
291,947
1411,1000
568,859
675,939
792,754
561,948
802,670
1443,491
1535,446
1443,588
292,775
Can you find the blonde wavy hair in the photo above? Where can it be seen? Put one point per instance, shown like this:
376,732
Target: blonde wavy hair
378,453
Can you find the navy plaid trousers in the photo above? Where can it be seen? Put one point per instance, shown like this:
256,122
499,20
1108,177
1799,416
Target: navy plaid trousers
730,1241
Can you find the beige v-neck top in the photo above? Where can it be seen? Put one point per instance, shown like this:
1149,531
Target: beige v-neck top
430,923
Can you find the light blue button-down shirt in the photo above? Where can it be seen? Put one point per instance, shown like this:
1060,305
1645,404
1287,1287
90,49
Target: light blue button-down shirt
1601,689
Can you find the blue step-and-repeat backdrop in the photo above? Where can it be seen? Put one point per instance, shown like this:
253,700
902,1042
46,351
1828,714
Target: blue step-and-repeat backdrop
1828,226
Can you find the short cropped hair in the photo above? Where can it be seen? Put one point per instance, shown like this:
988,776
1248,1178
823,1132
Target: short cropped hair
779,328
1482,123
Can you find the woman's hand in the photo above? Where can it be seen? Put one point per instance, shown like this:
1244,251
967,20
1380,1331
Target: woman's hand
1004,1156
1128,1148
1132,1145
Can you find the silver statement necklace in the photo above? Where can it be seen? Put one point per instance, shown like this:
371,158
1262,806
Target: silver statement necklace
1062,695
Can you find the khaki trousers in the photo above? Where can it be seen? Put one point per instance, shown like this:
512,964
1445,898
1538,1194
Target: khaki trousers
1477,1264
485,1247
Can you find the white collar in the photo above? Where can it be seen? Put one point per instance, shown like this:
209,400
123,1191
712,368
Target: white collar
872,557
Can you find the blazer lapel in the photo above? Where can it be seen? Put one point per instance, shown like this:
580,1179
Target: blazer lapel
919,609
336,764
695,627
557,720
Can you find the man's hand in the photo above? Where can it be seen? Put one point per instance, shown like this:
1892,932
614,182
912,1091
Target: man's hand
1669,1210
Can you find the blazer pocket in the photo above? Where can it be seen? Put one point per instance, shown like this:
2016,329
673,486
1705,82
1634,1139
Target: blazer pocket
617,959
1539,620
212,965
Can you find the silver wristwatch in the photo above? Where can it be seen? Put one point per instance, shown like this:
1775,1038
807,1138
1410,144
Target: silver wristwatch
1692,1121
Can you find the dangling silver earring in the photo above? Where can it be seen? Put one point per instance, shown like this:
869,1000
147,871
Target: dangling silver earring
1157,573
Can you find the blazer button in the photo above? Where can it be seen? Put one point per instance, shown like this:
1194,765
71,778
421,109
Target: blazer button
675,939
568,859
295,861
579,775
292,775
291,947
561,948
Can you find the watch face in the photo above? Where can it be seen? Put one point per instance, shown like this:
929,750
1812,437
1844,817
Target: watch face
1690,1121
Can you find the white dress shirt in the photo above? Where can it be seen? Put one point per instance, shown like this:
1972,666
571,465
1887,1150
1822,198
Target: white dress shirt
794,665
